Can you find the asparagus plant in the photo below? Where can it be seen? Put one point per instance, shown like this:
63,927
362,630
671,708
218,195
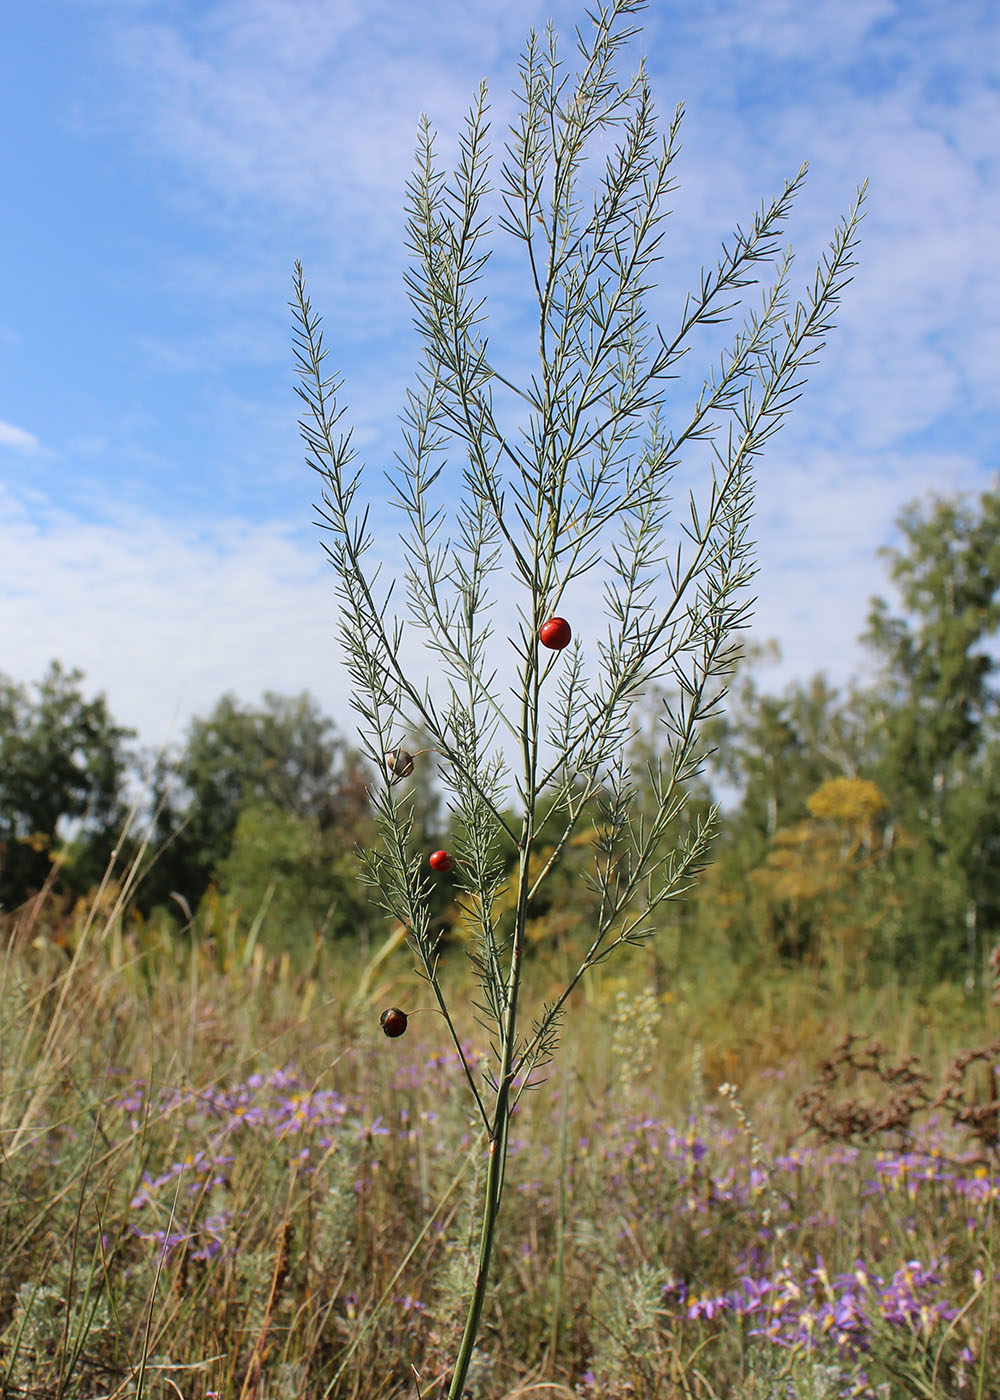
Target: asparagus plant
582,485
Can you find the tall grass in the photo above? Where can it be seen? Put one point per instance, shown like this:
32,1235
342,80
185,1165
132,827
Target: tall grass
220,1179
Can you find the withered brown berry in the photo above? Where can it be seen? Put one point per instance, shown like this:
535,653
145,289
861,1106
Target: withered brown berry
399,763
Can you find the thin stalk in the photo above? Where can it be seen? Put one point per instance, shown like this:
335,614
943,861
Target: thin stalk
557,1299
501,1115
491,1209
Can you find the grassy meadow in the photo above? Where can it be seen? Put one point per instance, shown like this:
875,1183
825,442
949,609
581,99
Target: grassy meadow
219,1179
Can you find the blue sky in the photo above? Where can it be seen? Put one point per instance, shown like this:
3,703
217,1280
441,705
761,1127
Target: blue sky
164,163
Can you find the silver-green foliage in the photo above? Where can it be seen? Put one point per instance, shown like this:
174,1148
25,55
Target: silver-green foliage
582,485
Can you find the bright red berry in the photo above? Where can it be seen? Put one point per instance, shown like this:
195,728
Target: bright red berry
555,634
441,861
393,1021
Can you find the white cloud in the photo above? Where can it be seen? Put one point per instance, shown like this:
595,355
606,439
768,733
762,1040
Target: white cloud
308,103
311,109
288,115
901,94
165,617
821,519
784,29
18,438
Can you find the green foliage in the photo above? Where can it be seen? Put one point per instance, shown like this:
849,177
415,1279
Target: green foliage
282,757
937,713
268,798
775,751
923,898
258,799
936,667
63,766
298,877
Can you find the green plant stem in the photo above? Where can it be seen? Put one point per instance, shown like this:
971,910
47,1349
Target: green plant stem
501,1113
491,1209
584,484
557,1300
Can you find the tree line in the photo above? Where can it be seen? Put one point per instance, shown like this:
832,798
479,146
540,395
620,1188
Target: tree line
256,796
868,827
865,835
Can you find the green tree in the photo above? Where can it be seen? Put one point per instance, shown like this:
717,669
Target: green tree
295,877
284,757
927,732
776,749
937,717
64,765
940,702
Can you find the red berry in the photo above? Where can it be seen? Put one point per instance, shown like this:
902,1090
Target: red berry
393,1021
442,861
555,634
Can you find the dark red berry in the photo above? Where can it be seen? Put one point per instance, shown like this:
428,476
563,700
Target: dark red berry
441,861
393,1021
555,634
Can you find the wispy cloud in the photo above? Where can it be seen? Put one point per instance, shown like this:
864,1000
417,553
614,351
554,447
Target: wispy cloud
19,439
313,107
165,618
286,127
